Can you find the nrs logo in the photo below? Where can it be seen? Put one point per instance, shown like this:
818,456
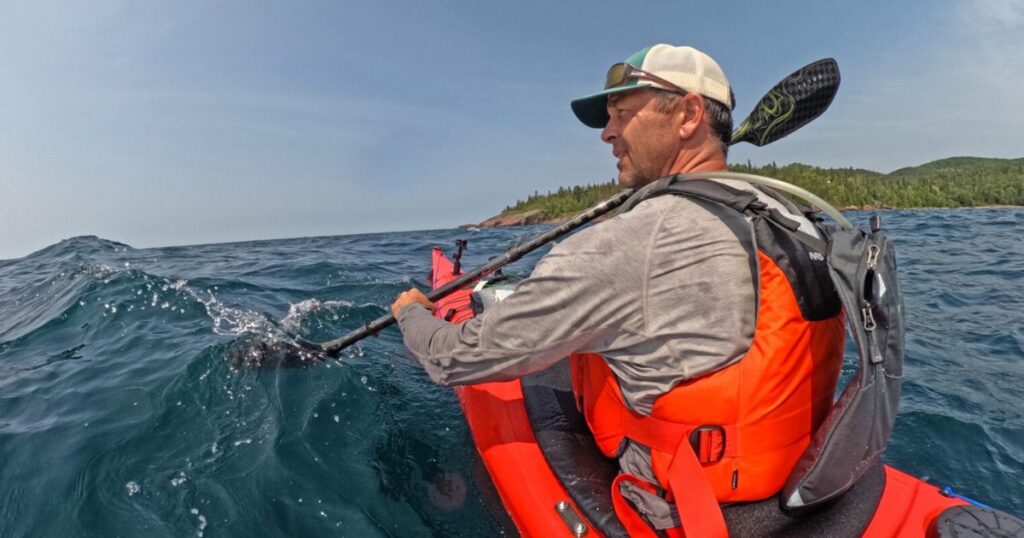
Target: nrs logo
816,256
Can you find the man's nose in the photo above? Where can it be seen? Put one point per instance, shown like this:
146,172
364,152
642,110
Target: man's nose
610,131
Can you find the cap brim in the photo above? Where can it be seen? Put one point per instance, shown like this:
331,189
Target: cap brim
592,110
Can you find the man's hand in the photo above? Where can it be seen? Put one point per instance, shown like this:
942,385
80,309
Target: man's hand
411,296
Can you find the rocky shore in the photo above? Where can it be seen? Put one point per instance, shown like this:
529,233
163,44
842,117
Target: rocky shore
525,218
520,219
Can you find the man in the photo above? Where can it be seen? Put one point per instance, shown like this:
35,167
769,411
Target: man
659,307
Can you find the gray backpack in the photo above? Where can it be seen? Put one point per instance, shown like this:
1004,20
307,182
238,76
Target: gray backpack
862,266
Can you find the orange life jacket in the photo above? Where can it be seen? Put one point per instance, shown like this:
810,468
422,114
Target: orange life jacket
746,425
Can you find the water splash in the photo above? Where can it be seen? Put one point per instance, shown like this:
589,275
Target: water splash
202,521
133,488
299,311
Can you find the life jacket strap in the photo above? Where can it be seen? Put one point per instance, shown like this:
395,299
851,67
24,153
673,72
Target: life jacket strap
712,442
694,497
709,442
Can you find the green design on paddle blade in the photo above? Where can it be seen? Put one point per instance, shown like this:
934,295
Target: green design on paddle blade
774,113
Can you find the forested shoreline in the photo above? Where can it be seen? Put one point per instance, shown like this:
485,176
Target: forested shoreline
952,182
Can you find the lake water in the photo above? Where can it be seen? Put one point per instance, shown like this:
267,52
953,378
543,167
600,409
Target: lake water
119,415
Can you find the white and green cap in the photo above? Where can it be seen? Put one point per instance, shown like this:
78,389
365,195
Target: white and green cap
658,66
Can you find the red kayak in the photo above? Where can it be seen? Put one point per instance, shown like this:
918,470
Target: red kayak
553,480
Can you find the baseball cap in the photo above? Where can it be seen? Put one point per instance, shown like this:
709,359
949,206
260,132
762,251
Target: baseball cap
685,67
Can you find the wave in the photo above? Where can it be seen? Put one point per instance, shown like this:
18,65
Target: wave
82,244
82,283
43,286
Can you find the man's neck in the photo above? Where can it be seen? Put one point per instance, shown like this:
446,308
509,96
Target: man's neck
706,159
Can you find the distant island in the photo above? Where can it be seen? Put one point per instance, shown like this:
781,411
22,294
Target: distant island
953,182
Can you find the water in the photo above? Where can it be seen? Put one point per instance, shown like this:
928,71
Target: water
119,415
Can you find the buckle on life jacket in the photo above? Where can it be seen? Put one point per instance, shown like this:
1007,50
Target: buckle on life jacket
708,443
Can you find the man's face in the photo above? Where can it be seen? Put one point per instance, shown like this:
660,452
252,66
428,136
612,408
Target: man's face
644,139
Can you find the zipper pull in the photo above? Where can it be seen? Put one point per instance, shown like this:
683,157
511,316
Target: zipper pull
869,319
873,251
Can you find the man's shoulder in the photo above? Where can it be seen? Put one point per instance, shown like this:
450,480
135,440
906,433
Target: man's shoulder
642,218
659,214
673,211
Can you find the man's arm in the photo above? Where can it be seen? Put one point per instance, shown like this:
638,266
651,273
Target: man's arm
584,288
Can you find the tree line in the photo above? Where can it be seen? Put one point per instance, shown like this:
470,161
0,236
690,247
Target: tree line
953,182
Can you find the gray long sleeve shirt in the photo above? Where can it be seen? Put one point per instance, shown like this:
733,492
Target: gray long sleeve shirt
665,292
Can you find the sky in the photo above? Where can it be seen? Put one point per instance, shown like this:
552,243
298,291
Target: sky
189,122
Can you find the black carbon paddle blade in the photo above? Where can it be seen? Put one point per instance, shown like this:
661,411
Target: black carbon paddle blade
791,104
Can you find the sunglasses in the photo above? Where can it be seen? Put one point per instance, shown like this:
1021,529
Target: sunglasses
621,73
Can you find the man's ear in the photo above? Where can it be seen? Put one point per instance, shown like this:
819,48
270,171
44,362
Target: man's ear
691,106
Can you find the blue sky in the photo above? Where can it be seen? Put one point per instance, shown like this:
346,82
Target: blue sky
157,123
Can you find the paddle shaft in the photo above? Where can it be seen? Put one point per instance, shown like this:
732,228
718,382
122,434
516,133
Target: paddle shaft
806,93
515,253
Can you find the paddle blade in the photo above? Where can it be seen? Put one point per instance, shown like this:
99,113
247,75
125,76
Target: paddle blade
253,352
791,104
